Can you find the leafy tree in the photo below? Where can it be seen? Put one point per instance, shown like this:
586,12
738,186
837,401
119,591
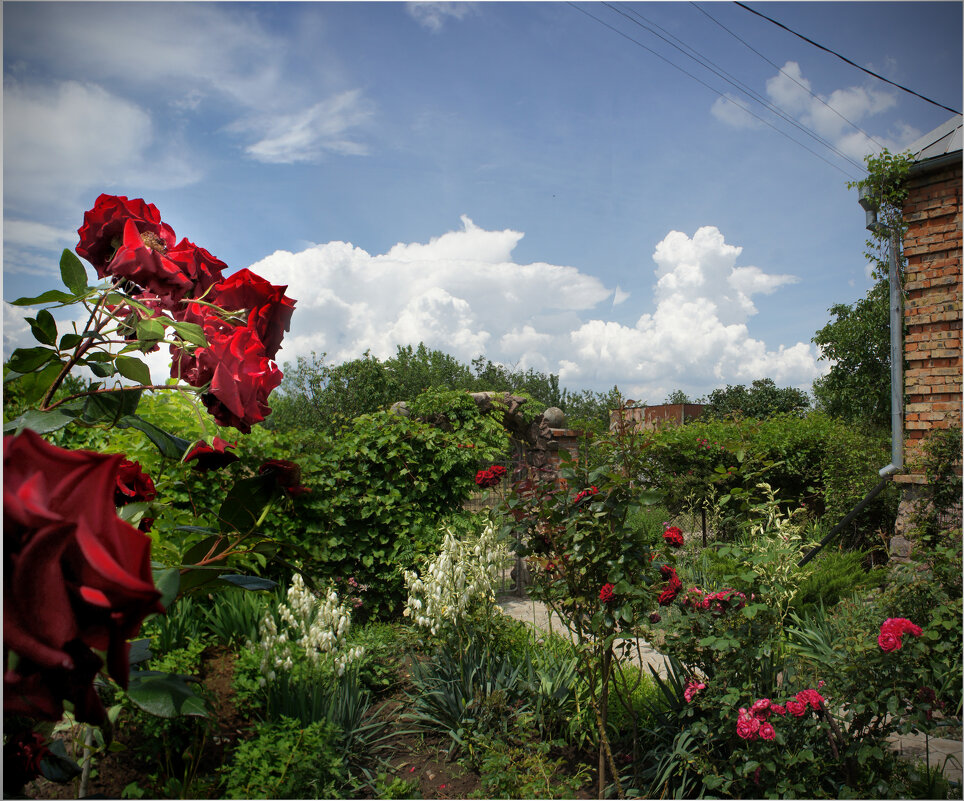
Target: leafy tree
317,396
677,396
761,400
857,343
857,339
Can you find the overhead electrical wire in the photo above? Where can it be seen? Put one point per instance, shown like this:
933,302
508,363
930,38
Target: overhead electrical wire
720,72
844,58
711,88
787,75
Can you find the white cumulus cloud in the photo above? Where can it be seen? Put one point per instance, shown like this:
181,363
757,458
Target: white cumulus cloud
463,294
698,337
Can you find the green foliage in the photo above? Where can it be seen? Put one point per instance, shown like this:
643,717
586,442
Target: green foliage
939,459
174,744
288,759
379,489
856,342
317,397
677,396
231,617
520,765
815,462
181,627
762,399
885,188
466,695
834,576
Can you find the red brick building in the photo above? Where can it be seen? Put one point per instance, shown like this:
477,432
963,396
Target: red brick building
933,287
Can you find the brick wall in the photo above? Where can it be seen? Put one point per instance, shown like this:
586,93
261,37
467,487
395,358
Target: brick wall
932,307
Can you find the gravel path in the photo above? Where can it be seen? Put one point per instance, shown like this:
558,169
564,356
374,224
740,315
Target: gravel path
538,615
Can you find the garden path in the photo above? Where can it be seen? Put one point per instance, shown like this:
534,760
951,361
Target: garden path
538,615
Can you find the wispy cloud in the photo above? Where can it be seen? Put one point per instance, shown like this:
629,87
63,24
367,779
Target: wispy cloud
306,135
833,117
433,15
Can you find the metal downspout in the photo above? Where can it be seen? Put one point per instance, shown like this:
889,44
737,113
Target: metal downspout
896,365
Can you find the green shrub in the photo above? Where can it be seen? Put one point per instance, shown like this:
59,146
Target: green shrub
835,575
519,765
287,759
380,487
815,462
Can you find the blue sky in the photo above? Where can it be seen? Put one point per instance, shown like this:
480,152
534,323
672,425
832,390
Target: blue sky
510,179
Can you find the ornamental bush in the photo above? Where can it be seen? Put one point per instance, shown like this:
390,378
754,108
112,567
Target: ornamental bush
381,487
815,462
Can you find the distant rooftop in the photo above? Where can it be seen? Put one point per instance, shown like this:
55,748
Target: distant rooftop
943,140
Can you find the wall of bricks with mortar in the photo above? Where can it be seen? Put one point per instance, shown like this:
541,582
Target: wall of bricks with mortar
932,305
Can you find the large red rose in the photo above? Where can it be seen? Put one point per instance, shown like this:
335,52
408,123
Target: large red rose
103,228
77,579
201,268
268,309
241,378
144,264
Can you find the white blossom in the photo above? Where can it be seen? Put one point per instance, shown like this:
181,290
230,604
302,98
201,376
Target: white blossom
457,582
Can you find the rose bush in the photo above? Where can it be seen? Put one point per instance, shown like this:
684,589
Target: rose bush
78,575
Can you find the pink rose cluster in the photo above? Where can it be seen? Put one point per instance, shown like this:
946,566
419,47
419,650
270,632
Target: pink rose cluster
673,536
892,631
716,602
692,688
243,317
754,723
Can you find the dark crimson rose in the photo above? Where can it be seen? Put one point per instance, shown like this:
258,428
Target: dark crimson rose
142,261
606,593
242,377
486,478
673,586
268,309
22,754
201,268
586,493
287,475
498,470
674,536
103,228
77,579
133,484
211,457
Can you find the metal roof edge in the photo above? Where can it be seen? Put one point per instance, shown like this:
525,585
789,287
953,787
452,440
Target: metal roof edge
936,162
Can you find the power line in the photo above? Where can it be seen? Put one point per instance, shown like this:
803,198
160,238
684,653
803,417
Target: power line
787,75
720,72
844,58
712,89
